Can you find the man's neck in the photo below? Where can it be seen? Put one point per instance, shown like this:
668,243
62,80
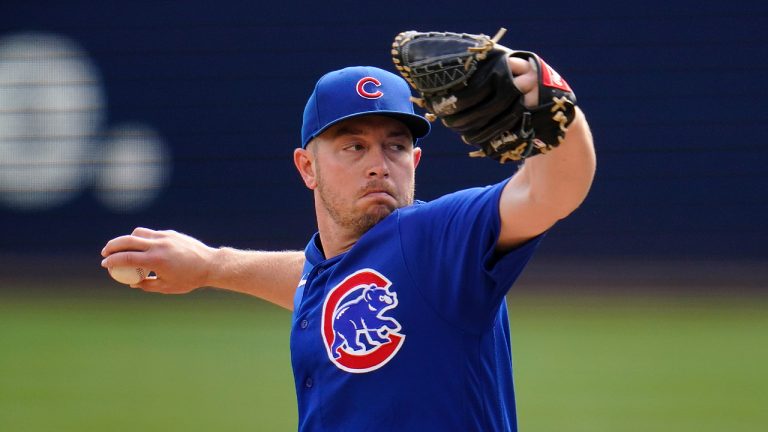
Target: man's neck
334,243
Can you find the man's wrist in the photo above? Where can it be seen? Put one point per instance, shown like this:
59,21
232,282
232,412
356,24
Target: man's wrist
215,266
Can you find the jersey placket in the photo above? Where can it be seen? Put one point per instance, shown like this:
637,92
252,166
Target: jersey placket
306,341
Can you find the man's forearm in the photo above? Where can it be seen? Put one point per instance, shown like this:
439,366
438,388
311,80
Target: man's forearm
561,179
272,276
548,187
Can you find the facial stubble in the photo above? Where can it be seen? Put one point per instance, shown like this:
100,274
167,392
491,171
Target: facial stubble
358,222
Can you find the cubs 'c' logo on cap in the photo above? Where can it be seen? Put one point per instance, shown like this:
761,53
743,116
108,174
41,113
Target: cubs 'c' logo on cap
372,84
357,334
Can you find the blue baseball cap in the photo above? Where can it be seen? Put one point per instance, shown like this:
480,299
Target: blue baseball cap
357,91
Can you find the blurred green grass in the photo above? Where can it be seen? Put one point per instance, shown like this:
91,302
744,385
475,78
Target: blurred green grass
125,360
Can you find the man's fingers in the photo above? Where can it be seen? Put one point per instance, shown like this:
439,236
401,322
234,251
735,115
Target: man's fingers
145,233
524,73
526,79
519,66
157,285
127,259
150,284
125,243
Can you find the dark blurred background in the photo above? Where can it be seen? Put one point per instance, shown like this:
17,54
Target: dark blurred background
183,115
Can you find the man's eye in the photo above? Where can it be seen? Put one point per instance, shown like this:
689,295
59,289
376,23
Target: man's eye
354,147
397,147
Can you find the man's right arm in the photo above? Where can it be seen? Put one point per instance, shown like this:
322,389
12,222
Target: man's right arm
183,264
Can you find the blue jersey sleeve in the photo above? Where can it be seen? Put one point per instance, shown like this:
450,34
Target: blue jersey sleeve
449,248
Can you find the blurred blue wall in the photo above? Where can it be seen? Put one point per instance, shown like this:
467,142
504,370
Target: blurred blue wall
674,91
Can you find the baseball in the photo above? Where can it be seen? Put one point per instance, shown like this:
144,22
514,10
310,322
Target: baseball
128,275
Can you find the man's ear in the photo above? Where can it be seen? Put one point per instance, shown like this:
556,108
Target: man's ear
416,156
305,164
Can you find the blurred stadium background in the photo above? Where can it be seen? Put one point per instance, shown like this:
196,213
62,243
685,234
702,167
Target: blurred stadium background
646,310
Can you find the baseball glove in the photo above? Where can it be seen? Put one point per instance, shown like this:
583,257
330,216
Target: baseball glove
465,80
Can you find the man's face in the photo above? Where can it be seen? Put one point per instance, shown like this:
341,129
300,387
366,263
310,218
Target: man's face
363,170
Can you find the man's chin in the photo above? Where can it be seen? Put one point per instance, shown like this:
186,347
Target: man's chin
380,211
374,215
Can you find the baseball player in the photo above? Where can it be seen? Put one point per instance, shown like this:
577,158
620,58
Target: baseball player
399,320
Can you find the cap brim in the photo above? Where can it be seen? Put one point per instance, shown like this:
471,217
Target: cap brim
418,125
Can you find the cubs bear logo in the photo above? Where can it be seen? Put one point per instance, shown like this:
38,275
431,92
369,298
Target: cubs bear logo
358,335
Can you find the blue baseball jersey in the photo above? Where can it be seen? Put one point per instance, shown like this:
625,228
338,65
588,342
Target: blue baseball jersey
408,330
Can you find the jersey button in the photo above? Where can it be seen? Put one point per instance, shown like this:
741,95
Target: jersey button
304,324
308,383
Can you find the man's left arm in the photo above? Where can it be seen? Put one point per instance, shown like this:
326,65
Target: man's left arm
547,187
511,106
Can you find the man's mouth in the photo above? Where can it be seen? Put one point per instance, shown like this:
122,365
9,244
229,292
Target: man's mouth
374,193
374,190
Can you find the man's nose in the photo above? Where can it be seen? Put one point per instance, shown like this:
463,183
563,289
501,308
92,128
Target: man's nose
378,163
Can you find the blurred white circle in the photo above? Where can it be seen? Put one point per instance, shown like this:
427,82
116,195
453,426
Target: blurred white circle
135,167
51,108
